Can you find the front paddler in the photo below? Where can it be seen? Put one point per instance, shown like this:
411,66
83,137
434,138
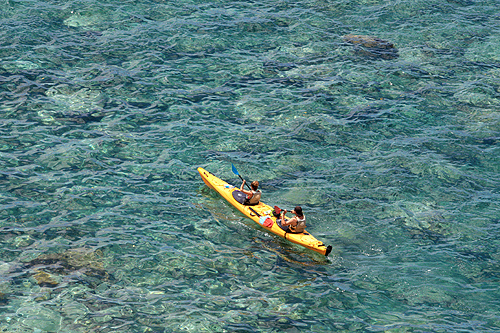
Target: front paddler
253,196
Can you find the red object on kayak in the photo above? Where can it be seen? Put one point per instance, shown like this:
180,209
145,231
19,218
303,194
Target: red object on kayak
268,223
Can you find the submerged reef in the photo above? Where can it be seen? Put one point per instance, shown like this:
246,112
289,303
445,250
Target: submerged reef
85,261
44,279
372,46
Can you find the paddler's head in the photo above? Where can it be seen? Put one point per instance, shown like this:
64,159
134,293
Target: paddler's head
298,211
255,185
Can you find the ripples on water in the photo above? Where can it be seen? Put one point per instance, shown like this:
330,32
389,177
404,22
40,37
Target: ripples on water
108,109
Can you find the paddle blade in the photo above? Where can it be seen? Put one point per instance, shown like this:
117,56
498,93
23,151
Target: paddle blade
234,170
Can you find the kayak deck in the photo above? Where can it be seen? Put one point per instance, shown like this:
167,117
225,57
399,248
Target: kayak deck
262,214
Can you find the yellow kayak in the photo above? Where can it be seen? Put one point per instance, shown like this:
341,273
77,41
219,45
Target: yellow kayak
262,214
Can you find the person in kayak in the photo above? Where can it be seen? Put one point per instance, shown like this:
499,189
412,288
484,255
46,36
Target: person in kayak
296,224
253,196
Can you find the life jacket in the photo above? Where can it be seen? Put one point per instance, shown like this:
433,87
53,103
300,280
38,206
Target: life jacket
255,197
301,225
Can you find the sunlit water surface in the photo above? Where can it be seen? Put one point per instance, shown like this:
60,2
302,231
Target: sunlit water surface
107,109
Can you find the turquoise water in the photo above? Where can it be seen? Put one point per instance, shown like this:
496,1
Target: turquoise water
108,108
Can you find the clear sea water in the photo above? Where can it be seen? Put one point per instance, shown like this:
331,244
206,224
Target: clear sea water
107,109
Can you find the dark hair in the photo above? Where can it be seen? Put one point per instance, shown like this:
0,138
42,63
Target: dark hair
298,211
255,185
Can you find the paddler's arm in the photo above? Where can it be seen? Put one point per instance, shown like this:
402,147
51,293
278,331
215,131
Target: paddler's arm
249,193
284,222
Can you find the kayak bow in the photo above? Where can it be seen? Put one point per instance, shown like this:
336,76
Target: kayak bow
261,214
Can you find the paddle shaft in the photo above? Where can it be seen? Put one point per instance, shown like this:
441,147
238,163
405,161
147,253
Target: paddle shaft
245,183
238,174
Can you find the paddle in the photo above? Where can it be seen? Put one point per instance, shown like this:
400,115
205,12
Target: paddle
238,174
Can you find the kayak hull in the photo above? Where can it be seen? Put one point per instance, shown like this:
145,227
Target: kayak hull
261,214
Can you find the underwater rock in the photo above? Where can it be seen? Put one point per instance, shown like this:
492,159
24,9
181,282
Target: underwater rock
19,65
444,171
81,118
23,241
76,20
490,140
484,50
426,294
74,104
478,99
77,99
273,66
4,267
364,112
368,41
91,34
286,81
44,279
74,310
5,286
83,260
39,318
423,222
372,46
43,295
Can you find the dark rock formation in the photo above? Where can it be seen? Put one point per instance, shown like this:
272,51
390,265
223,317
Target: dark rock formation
372,46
